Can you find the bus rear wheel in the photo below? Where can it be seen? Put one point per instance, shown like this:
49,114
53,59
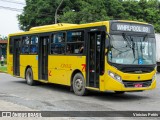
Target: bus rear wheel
79,85
29,77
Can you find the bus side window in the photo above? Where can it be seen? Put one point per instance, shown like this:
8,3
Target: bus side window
75,39
58,43
34,45
81,49
25,45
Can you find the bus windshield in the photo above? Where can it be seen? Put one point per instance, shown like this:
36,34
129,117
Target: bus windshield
132,49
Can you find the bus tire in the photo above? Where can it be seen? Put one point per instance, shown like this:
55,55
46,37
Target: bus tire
158,68
79,86
119,92
29,77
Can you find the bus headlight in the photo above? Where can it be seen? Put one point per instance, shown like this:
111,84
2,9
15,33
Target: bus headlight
115,76
154,77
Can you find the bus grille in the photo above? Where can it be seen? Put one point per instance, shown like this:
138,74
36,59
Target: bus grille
145,83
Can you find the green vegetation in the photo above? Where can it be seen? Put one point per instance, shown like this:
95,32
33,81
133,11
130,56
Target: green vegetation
41,12
5,61
3,68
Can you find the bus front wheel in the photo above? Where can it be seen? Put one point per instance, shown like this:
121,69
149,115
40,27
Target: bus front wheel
79,84
158,68
29,77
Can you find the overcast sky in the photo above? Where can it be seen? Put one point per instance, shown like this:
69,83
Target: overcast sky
8,18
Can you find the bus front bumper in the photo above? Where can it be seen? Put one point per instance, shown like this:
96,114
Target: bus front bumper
128,86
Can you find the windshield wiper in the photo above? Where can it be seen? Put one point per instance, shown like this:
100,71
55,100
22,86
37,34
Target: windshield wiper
126,39
133,47
130,44
144,38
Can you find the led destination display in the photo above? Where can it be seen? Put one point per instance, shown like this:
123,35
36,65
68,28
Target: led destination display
132,27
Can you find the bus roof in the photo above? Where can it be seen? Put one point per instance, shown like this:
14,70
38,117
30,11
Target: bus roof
52,26
64,26
59,27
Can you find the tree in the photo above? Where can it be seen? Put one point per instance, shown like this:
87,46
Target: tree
151,14
85,11
41,12
114,9
3,37
37,12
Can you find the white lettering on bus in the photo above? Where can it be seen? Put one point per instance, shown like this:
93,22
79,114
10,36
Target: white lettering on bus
133,28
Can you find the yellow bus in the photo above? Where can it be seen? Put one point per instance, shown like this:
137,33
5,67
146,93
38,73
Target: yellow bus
114,55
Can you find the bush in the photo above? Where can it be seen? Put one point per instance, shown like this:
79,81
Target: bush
5,61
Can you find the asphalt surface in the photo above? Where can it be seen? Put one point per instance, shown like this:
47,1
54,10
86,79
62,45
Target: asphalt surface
16,95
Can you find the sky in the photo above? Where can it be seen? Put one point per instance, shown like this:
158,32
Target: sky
8,18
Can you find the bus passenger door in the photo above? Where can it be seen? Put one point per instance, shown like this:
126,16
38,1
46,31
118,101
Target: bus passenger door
16,56
95,58
43,58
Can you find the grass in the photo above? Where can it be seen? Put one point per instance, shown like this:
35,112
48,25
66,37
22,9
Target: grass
3,68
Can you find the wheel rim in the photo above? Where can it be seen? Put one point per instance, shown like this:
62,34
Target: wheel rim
78,84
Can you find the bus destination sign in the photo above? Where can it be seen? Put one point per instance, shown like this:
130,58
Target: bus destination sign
132,27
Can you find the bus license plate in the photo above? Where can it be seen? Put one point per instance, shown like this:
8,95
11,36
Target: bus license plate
138,85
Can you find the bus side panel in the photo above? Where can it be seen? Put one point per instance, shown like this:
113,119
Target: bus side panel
57,69
29,60
10,64
102,83
75,63
62,67
9,59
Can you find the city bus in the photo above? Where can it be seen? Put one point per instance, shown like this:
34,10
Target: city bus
115,55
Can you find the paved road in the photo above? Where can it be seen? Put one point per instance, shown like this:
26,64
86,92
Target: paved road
15,94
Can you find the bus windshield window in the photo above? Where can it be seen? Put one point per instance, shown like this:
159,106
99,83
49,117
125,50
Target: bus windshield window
129,49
